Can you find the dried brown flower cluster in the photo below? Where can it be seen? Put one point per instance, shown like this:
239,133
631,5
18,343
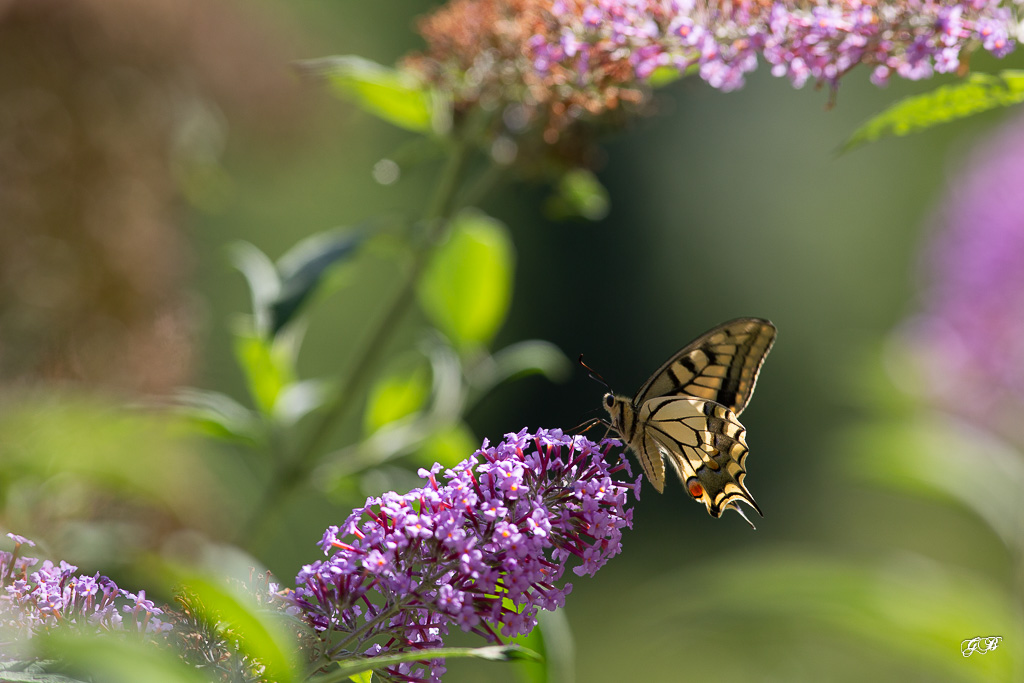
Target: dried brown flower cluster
483,52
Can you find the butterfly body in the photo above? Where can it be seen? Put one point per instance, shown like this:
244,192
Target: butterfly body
688,413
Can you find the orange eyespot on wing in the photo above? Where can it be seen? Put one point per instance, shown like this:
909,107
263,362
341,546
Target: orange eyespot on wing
705,444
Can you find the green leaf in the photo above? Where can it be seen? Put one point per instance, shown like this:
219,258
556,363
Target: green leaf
401,391
34,671
115,660
935,457
44,435
262,278
395,96
552,639
467,288
663,75
532,671
977,93
578,194
298,399
495,653
268,365
218,415
260,632
531,357
448,445
363,677
304,268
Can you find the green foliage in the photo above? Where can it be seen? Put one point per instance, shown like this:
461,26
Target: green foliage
529,357
912,608
102,442
116,660
264,635
280,291
977,93
494,653
400,420
552,640
267,345
300,398
924,455
262,278
34,671
393,95
303,270
578,194
448,445
398,393
663,75
467,289
218,416
268,364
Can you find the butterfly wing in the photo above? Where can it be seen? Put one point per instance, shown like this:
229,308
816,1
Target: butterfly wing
706,445
721,365
650,453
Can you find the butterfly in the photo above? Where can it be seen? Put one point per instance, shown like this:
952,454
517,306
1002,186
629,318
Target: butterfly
688,413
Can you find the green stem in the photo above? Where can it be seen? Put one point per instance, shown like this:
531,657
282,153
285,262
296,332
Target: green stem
292,470
357,635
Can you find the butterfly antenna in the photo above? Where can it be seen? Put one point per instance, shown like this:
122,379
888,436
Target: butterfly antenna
593,375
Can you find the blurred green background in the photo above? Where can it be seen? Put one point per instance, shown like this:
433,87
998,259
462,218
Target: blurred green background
722,205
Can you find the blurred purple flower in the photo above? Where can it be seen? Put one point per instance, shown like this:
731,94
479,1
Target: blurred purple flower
32,602
819,40
971,332
484,548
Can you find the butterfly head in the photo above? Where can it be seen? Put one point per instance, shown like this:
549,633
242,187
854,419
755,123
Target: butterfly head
620,410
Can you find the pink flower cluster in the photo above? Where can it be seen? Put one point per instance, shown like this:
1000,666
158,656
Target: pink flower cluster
819,41
484,549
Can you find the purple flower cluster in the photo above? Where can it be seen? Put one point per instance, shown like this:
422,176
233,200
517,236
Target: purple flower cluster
34,601
972,329
483,548
803,41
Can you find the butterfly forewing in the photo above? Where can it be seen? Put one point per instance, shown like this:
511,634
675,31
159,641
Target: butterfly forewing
721,365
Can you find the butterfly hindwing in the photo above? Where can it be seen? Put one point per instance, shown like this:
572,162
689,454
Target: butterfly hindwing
706,445
721,365
651,455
